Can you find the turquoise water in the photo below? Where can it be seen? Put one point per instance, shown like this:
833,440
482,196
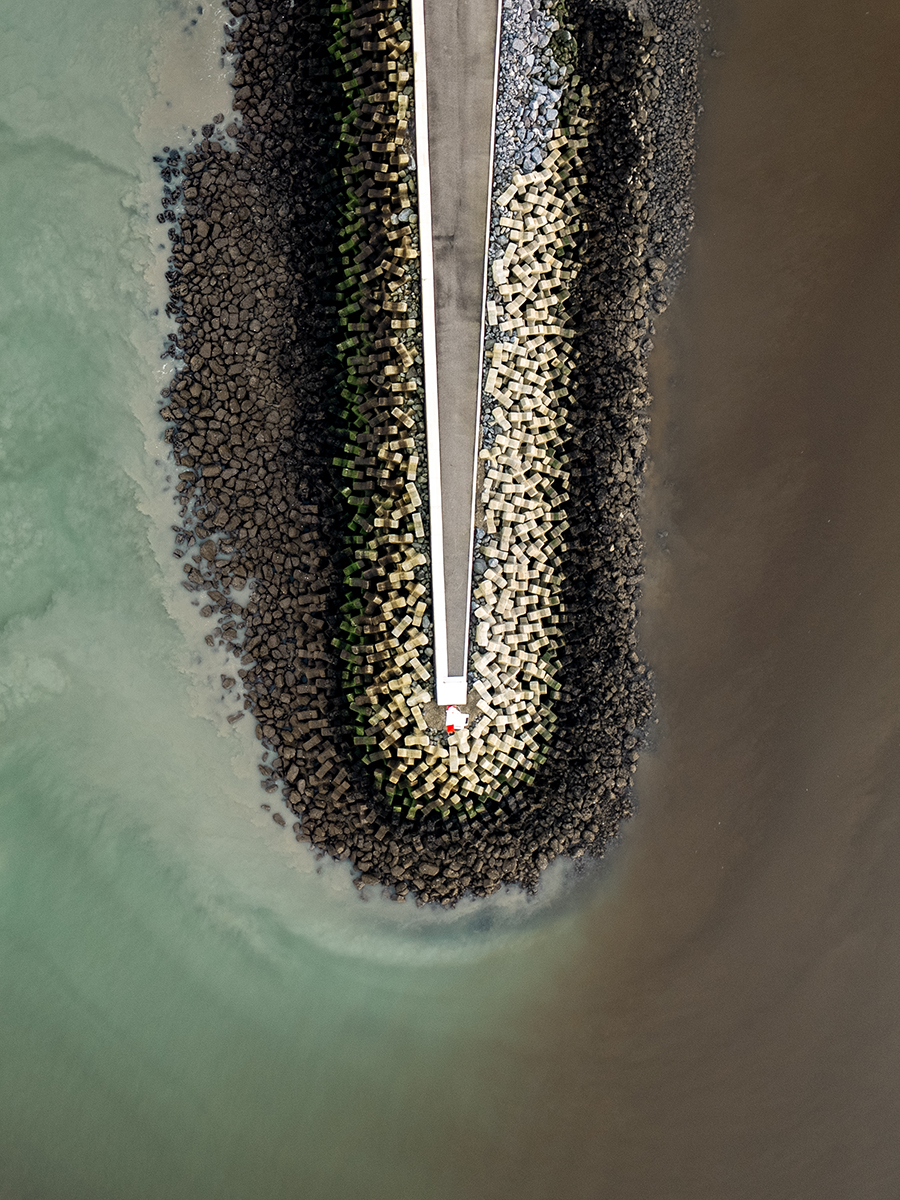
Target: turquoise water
190,1004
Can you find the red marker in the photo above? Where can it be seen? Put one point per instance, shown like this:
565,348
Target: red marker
456,719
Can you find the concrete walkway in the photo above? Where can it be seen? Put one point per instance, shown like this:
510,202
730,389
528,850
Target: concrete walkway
455,107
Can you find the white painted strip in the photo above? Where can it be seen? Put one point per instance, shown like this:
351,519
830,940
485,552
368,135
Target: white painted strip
429,353
452,689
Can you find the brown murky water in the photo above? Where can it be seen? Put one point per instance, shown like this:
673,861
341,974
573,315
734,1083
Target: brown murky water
731,1025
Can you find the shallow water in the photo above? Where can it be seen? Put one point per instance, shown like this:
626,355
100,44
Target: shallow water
187,1007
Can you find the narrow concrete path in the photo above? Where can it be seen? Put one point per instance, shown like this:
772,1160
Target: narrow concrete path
454,137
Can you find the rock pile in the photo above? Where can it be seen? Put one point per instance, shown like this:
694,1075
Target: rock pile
387,651
256,420
532,81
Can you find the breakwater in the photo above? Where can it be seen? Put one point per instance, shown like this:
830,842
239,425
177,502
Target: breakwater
261,411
